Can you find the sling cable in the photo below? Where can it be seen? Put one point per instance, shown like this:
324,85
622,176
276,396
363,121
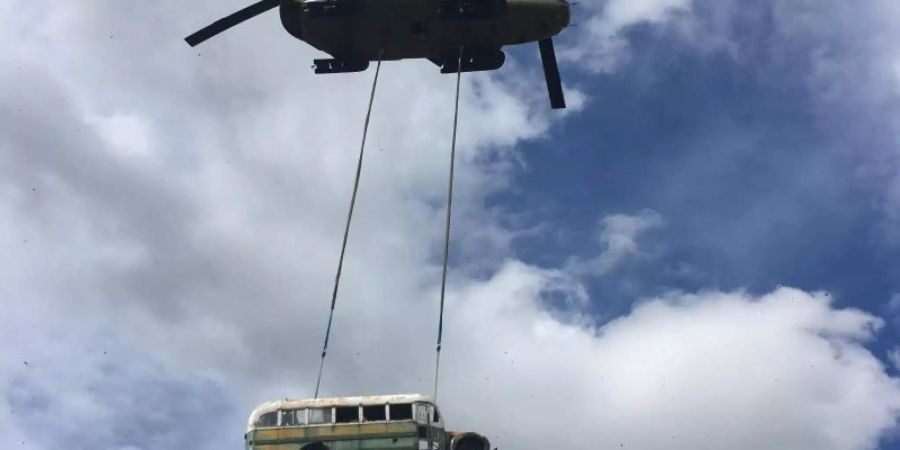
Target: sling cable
440,334
340,267
446,256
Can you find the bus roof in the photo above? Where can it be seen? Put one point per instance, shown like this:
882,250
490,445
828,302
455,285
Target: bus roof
335,401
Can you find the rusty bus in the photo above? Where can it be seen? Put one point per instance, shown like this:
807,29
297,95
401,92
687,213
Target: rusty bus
395,422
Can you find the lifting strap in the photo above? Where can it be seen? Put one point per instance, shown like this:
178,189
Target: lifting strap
440,335
337,278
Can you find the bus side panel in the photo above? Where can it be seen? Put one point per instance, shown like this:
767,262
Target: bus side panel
368,436
368,444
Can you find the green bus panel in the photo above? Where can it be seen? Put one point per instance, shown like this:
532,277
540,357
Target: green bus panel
409,443
374,436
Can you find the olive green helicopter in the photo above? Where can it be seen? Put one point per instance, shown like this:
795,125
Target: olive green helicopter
455,35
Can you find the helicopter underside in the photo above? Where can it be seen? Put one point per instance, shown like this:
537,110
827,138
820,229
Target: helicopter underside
456,35
355,32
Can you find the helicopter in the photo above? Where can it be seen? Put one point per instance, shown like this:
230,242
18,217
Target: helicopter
455,35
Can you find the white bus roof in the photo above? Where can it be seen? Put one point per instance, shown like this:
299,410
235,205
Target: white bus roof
268,407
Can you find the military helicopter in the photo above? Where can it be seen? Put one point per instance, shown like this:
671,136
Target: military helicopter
455,35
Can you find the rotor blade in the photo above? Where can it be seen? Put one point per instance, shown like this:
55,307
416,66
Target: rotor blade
230,21
551,73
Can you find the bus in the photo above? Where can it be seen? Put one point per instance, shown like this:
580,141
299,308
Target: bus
388,422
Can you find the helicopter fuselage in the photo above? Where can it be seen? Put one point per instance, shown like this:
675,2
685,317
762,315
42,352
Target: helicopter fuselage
369,30
456,35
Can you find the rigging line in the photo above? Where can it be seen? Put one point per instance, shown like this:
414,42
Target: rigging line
440,336
337,278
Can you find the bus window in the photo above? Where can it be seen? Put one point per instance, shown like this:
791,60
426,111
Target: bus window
401,412
346,414
376,413
318,416
293,417
422,412
269,419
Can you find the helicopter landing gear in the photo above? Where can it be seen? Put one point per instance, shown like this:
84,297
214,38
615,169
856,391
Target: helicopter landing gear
472,61
322,66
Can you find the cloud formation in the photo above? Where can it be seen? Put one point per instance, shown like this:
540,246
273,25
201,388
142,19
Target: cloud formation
717,370
618,235
182,213
602,44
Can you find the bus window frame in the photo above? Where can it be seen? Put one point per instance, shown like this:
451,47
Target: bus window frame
277,420
305,416
433,411
303,423
331,416
390,413
359,415
362,413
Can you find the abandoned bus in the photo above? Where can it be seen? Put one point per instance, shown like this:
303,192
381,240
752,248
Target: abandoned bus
401,422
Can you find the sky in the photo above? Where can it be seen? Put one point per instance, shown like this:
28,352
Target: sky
701,252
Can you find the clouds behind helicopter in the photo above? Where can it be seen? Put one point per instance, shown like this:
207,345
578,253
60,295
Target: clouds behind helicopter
171,221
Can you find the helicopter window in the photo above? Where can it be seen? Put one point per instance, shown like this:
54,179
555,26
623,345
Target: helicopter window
401,412
418,27
293,417
268,420
318,416
374,413
346,414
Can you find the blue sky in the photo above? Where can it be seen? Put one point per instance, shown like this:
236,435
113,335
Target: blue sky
755,190
704,248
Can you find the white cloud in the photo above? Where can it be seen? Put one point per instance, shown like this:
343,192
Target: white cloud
212,266
894,304
620,13
618,234
891,310
215,260
894,357
714,370
897,75
61,380
602,45
855,74
127,134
